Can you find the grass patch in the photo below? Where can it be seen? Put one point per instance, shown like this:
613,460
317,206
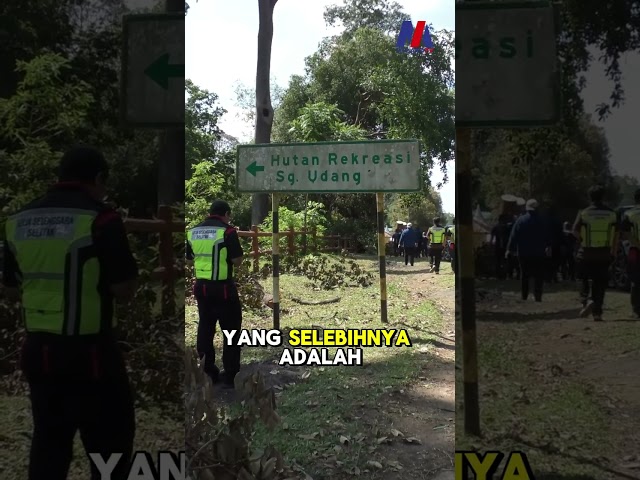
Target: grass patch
334,412
155,432
557,421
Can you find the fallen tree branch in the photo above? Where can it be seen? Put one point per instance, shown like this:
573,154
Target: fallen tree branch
317,302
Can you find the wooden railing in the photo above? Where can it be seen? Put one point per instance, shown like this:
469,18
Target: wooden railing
333,243
168,271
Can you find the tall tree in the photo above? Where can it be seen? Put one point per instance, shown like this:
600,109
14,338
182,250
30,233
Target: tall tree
264,109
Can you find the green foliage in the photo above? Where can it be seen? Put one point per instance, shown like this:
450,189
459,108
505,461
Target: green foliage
382,15
289,219
200,190
565,161
36,122
318,122
417,208
202,114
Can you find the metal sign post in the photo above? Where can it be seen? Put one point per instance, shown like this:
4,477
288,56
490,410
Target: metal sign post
330,167
509,77
152,92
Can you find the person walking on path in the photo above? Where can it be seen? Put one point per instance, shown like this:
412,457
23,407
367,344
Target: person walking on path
408,242
436,244
630,233
530,240
595,227
499,238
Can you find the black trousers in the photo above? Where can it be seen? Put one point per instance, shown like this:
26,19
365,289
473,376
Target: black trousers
500,263
218,303
82,390
532,267
594,278
436,258
409,255
633,270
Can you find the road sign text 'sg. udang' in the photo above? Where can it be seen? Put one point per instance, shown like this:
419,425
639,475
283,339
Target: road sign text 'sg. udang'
418,37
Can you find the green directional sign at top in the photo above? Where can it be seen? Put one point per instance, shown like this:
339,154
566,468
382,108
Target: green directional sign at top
153,70
340,167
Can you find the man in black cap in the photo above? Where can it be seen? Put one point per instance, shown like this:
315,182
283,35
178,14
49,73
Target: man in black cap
214,247
66,259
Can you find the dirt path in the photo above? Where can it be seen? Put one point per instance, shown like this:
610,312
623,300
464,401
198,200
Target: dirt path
423,410
561,350
426,410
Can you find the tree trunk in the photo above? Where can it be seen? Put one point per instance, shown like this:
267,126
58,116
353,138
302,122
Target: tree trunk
264,110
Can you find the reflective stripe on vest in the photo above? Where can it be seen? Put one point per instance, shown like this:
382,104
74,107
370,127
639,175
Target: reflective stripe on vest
598,227
436,234
633,215
59,269
210,253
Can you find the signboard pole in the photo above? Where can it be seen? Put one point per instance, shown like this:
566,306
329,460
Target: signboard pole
275,255
382,257
466,287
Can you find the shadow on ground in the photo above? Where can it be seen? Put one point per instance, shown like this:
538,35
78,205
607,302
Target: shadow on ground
507,317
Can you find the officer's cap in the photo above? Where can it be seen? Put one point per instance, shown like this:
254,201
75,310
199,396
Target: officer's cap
82,164
219,207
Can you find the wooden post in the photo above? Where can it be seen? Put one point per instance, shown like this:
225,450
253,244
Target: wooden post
255,249
291,241
165,252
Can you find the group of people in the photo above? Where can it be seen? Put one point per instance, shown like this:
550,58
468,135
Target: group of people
409,241
535,248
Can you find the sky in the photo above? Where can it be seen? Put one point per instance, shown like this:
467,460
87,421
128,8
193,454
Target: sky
621,127
221,51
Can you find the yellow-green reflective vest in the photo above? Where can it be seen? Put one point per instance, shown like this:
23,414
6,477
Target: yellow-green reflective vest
210,253
598,226
60,272
452,231
633,216
437,233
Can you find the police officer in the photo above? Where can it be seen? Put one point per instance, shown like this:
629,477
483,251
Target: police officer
215,249
66,259
451,233
630,232
595,226
436,244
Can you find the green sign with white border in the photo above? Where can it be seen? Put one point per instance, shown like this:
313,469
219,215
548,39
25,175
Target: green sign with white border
330,167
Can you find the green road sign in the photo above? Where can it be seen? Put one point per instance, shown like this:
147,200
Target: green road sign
373,166
507,65
161,71
153,70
